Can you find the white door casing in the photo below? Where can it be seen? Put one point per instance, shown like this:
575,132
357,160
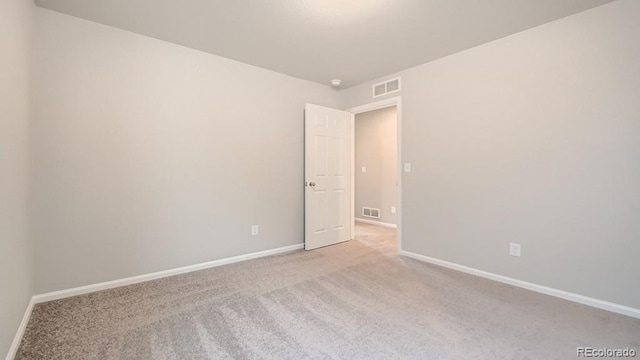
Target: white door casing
394,101
327,176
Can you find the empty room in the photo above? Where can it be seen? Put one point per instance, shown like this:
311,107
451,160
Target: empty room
319,179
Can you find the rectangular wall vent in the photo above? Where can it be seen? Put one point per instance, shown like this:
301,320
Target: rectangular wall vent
371,212
386,87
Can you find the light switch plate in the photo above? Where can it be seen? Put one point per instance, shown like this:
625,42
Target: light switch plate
407,167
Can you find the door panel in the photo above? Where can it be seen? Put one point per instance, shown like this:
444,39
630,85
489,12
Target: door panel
327,176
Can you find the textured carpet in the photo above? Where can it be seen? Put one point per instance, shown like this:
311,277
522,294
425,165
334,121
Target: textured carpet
356,300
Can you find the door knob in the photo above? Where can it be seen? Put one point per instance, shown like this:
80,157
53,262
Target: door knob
312,184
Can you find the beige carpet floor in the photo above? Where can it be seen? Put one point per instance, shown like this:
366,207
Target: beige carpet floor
356,300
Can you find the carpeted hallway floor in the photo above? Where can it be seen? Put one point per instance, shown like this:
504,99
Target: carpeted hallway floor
356,300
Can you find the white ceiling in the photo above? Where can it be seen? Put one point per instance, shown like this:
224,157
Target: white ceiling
319,40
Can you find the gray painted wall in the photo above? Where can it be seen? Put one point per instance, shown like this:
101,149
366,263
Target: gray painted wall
534,139
376,149
150,156
16,255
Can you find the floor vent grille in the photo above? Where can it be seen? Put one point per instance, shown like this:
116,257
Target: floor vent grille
371,212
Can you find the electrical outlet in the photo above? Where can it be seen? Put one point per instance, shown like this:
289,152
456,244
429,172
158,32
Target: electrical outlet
514,249
393,209
364,169
254,230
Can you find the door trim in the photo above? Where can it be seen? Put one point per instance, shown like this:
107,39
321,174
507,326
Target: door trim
376,105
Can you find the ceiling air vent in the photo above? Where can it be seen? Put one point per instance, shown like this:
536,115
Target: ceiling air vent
387,87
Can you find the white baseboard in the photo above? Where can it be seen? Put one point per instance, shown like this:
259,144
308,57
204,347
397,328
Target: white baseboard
585,300
158,275
13,349
379,223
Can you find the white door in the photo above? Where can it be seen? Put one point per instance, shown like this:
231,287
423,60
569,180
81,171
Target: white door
327,176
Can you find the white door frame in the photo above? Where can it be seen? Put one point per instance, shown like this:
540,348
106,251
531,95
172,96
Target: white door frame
394,101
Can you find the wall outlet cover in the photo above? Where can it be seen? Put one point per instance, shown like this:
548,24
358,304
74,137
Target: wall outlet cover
514,249
254,230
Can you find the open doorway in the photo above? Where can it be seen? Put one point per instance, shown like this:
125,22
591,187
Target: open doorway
376,175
